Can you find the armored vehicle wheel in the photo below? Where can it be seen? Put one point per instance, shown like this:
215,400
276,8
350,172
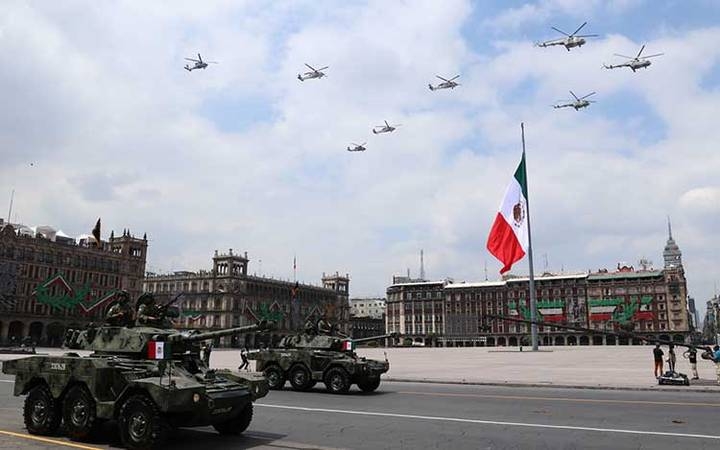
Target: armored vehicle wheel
79,413
369,384
238,424
300,378
275,377
141,424
337,380
41,411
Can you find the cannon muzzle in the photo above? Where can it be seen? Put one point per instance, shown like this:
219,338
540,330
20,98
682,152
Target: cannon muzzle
374,338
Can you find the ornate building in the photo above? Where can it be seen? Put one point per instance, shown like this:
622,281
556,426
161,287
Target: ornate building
49,281
654,302
226,296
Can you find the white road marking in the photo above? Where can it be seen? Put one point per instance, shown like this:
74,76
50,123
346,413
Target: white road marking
491,422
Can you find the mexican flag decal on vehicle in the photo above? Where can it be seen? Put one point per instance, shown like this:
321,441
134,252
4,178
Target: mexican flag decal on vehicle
348,346
158,350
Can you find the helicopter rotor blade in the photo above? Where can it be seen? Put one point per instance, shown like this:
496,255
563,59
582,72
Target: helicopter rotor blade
640,52
311,67
579,28
575,96
193,60
587,35
386,123
583,98
444,79
560,31
623,56
454,78
323,68
652,56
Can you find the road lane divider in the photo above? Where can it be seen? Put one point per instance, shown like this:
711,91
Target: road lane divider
47,440
561,399
491,422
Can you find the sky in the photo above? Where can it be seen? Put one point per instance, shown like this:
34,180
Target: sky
101,120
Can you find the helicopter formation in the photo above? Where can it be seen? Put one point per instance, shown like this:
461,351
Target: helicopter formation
578,40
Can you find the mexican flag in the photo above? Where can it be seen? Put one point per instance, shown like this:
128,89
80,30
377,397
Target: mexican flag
508,239
348,346
158,350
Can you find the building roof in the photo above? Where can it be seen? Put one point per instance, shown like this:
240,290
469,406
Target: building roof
463,284
622,275
418,283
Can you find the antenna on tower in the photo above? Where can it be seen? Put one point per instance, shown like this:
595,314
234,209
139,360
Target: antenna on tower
12,197
486,278
669,228
422,265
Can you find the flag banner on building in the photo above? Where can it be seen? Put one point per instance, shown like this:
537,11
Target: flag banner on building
96,231
294,291
348,346
158,350
508,239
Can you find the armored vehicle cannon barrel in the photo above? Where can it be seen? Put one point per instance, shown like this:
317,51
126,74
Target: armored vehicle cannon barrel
196,337
374,338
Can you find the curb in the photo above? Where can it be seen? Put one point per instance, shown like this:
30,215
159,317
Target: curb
552,386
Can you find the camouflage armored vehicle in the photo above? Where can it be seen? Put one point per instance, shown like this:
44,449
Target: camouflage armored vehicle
147,379
305,359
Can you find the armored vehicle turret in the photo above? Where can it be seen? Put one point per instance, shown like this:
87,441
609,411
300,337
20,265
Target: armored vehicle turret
147,379
306,358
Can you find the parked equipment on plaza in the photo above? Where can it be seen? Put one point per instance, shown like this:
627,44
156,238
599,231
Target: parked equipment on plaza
674,378
148,379
308,357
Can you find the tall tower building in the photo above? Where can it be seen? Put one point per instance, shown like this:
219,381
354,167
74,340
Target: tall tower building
672,254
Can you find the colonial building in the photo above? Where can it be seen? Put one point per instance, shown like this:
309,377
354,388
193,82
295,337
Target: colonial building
447,313
226,296
49,281
366,326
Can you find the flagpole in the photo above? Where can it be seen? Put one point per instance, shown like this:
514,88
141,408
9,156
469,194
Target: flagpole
533,300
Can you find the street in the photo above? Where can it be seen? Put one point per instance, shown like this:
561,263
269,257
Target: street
424,416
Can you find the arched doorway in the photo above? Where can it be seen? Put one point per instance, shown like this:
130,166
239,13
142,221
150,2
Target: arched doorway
597,340
491,342
35,333
15,331
559,340
2,335
678,338
572,340
623,340
546,340
664,337
513,341
584,340
501,342
55,334
610,340
637,341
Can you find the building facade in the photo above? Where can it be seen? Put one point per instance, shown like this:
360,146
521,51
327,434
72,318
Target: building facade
50,282
226,296
367,307
366,326
446,313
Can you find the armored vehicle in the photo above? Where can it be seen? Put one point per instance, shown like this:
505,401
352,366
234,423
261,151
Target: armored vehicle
305,359
147,379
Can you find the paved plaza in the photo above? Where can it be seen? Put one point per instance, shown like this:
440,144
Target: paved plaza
572,366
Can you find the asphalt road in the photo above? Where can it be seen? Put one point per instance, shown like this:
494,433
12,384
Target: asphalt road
425,416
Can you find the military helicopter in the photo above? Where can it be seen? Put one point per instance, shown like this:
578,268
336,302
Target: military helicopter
446,84
199,63
636,62
314,73
357,147
572,40
578,103
387,128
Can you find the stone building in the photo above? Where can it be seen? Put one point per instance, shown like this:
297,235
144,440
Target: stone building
653,302
226,296
49,281
367,307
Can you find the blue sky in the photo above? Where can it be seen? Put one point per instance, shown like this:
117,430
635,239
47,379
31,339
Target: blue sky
243,155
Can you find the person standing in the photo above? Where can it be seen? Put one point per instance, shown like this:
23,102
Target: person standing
691,355
716,357
244,356
671,357
658,355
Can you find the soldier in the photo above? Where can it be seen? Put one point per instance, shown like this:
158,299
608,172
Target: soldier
206,350
323,326
120,314
148,312
310,327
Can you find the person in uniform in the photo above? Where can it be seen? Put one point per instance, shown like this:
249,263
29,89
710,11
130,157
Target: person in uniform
323,326
120,314
691,355
244,356
310,327
148,312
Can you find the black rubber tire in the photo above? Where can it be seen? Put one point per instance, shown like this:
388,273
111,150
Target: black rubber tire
79,413
41,411
275,377
300,378
238,424
337,381
369,384
141,424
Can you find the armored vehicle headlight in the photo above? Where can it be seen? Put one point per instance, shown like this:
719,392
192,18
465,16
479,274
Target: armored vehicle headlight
196,397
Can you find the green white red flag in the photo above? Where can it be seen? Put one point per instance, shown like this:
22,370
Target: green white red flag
508,239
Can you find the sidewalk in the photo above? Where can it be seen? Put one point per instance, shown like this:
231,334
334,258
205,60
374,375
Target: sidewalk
590,367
